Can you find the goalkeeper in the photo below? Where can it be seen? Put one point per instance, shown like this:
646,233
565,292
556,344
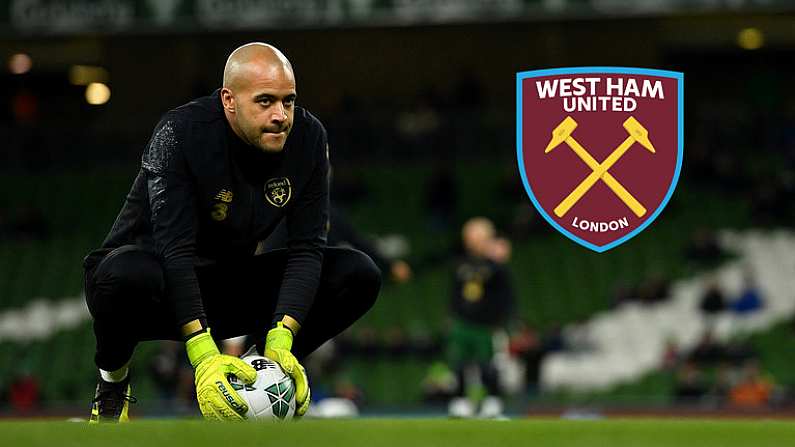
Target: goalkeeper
217,176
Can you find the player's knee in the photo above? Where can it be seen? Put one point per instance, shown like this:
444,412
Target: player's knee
365,276
123,277
132,273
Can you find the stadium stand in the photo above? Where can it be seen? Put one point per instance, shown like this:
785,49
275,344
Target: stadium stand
558,282
624,344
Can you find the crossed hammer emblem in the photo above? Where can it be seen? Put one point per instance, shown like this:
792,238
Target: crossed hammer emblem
637,134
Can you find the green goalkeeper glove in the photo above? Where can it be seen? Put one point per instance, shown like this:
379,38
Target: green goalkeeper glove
278,343
217,399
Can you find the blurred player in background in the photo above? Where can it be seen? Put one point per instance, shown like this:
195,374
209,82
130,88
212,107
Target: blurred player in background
482,303
218,175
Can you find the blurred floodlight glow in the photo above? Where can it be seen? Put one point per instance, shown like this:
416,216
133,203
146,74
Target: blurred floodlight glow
750,38
87,74
19,63
97,93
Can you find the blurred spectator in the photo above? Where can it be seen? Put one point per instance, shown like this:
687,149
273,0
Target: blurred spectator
526,344
712,302
553,340
691,385
769,202
723,373
703,247
23,393
724,376
750,299
708,351
345,388
753,390
670,358
654,289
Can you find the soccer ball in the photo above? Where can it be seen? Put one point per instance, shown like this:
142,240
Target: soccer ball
272,396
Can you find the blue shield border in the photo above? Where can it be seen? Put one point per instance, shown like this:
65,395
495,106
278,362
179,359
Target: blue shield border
522,75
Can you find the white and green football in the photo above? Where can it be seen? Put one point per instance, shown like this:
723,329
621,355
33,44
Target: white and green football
272,396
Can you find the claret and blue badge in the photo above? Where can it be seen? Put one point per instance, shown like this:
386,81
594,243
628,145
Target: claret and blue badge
599,149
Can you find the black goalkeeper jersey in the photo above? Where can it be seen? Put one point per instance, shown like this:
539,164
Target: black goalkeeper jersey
203,195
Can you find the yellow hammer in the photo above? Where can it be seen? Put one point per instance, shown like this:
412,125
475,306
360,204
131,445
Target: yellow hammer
637,134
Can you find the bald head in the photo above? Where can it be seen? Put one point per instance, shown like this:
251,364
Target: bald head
258,95
477,236
252,57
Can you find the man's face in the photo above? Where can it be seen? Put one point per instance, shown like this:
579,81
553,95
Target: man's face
477,237
264,103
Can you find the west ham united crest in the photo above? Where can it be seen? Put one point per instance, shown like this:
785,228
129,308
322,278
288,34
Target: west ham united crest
599,148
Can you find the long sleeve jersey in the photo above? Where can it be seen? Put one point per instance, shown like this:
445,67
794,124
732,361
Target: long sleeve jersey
203,195
482,292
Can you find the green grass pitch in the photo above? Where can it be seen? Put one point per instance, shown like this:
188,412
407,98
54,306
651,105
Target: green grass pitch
405,432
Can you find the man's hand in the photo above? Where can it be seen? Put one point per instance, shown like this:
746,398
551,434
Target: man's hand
217,399
277,348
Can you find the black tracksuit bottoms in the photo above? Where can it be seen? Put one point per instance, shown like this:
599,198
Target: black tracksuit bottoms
124,295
